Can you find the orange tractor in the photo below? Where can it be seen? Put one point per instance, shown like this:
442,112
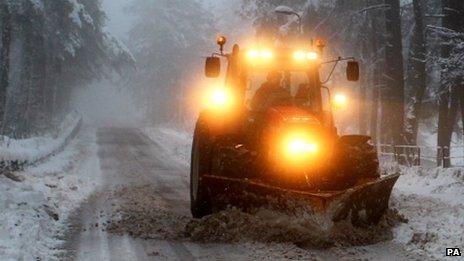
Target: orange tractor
269,132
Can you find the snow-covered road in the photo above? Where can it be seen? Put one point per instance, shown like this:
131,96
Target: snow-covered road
122,194
141,209
128,160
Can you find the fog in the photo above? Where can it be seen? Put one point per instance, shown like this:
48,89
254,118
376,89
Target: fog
139,65
103,104
119,20
146,95
151,60
109,101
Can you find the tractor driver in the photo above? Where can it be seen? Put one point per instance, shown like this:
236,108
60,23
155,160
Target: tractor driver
271,93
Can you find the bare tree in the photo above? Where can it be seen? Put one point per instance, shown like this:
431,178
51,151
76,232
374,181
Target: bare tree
451,86
416,74
378,63
393,93
5,33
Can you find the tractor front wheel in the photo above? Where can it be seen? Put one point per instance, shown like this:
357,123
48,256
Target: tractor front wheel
356,161
200,165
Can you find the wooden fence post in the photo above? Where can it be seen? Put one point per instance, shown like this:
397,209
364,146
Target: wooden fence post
418,156
446,157
439,156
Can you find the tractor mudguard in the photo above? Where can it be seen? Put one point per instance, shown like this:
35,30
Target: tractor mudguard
219,124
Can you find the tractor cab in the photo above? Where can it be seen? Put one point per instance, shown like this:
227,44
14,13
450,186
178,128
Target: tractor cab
266,82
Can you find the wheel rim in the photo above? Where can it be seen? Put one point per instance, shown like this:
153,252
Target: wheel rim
195,170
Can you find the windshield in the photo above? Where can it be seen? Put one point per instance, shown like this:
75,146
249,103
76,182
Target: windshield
266,89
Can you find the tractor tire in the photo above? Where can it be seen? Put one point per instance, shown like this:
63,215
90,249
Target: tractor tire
356,162
200,198
366,162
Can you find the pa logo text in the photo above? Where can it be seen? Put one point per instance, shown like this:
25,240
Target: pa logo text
454,251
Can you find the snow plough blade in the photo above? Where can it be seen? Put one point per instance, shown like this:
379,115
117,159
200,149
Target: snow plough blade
362,204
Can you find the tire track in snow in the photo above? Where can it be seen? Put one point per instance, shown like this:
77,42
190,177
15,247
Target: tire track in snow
180,249
127,158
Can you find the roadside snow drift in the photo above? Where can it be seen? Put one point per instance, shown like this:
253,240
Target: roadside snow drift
33,212
433,202
28,151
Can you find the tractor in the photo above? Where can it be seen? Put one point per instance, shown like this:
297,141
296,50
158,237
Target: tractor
284,144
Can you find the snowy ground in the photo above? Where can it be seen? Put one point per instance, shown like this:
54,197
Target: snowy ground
37,148
433,202
34,212
118,181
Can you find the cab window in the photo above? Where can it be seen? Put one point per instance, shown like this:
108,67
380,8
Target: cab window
295,84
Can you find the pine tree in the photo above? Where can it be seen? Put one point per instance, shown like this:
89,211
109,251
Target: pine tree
169,39
52,47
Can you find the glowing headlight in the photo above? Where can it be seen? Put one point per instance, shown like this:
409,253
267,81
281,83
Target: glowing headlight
266,54
260,54
299,55
219,97
298,147
252,54
302,55
340,102
312,56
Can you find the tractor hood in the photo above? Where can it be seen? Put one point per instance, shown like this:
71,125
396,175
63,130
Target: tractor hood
288,114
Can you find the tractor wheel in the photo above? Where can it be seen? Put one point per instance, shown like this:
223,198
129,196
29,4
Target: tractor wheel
200,165
365,161
356,162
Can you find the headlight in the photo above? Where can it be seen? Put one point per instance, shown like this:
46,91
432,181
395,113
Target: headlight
299,55
312,56
340,102
219,98
252,54
304,56
264,54
300,147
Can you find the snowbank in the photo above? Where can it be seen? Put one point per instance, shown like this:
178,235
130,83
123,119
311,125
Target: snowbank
433,202
33,212
29,151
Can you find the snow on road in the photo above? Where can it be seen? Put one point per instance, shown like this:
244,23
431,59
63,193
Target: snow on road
176,143
122,194
33,212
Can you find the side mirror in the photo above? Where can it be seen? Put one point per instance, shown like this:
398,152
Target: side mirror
352,71
212,67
